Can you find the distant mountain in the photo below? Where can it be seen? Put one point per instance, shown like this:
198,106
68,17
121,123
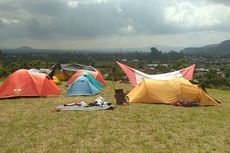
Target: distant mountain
217,49
25,48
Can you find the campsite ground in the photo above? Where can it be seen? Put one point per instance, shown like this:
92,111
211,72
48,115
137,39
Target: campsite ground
29,125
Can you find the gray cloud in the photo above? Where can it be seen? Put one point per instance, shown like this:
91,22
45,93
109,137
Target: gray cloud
226,2
55,19
1,22
146,17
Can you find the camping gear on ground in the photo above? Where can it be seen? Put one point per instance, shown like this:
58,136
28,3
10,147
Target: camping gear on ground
81,103
96,74
98,104
169,92
23,83
82,86
136,76
120,97
187,103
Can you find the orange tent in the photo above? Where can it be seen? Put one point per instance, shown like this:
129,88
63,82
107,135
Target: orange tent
96,74
26,83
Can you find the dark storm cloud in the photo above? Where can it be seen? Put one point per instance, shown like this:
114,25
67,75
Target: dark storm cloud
52,18
45,7
90,20
1,22
146,16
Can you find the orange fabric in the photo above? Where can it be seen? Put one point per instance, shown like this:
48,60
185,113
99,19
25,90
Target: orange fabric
62,75
97,75
26,83
189,91
169,92
56,80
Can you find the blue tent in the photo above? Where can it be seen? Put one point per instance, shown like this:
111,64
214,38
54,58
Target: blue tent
82,86
92,80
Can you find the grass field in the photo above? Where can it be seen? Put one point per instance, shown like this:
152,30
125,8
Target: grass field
29,125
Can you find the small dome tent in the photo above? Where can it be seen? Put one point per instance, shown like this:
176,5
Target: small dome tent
24,83
92,80
82,86
96,74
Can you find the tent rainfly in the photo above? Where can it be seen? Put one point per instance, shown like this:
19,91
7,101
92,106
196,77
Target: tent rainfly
136,76
96,74
24,83
169,92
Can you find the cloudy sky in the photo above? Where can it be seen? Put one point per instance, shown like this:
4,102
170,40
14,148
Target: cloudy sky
77,24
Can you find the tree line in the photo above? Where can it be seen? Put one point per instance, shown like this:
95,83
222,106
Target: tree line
105,61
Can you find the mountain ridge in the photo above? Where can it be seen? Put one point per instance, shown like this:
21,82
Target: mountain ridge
221,48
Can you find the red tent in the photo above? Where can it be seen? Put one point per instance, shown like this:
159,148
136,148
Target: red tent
25,83
96,74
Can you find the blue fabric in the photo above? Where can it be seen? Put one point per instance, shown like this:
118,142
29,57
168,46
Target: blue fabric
82,86
92,80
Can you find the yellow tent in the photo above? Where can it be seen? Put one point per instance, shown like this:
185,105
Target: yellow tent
62,75
56,80
169,92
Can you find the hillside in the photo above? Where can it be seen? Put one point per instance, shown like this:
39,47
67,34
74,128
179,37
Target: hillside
222,48
28,125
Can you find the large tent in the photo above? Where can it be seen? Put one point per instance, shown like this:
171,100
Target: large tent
136,76
27,83
82,86
96,74
169,92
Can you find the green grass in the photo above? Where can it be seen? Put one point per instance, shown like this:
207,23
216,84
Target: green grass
29,125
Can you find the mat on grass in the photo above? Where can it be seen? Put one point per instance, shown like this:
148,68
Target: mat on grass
98,104
83,108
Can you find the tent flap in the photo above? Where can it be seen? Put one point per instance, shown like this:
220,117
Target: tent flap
136,76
